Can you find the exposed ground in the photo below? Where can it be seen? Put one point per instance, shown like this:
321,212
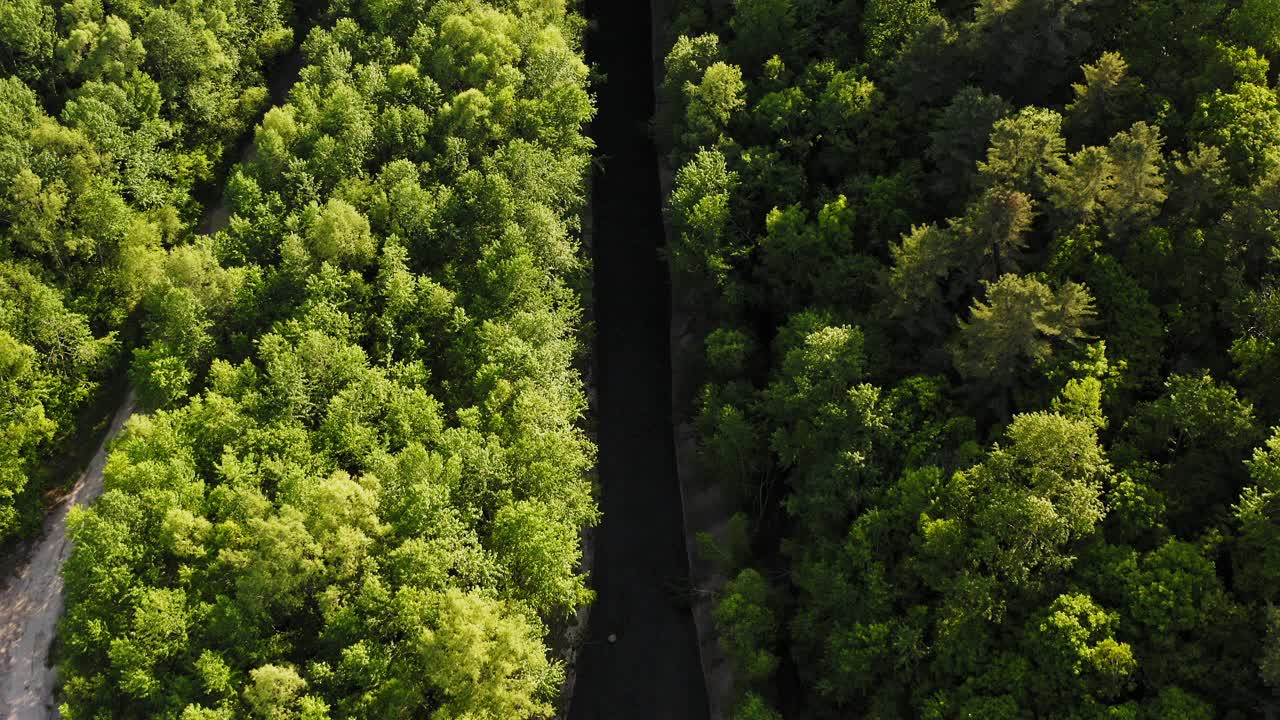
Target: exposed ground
31,600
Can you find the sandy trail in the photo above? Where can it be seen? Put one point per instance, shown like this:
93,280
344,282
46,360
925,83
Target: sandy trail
31,601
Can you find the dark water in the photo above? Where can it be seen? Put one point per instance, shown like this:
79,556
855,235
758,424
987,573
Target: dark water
651,671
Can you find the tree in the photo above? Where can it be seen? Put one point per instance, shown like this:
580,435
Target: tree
102,49
1106,99
26,427
920,279
827,419
1200,433
1019,325
1035,496
700,214
1077,656
689,59
959,140
748,627
1025,151
713,103
806,262
888,25
684,65
274,695
1091,191
1244,124
1077,191
487,662
542,554
339,233
367,487
994,229
473,47
1185,621
1199,181
1256,558
762,29
1256,23
1137,190
26,36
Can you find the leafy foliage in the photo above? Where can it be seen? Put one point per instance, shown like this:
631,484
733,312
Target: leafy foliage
116,117
991,290
363,491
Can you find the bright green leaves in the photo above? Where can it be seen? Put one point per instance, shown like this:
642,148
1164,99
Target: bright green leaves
712,104
1025,149
1258,513
1138,190
103,49
888,25
1244,124
487,662
257,541
26,37
827,420
158,633
685,65
803,261
92,197
375,495
1031,499
50,363
700,214
1077,654
1076,192
474,48
273,690
542,553
748,626
1123,183
26,428
1107,97
338,233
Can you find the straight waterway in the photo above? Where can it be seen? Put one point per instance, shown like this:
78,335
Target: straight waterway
640,660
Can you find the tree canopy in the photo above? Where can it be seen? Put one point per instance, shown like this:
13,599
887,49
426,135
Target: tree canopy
362,485
990,368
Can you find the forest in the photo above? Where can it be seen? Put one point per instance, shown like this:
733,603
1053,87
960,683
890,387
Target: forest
114,121
361,479
987,298
990,363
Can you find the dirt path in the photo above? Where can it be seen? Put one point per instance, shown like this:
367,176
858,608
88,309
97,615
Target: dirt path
640,660
31,601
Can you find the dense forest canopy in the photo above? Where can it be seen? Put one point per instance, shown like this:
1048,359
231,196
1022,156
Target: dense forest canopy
989,298
361,491
113,118
991,360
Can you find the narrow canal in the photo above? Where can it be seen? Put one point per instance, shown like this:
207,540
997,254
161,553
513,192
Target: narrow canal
640,660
